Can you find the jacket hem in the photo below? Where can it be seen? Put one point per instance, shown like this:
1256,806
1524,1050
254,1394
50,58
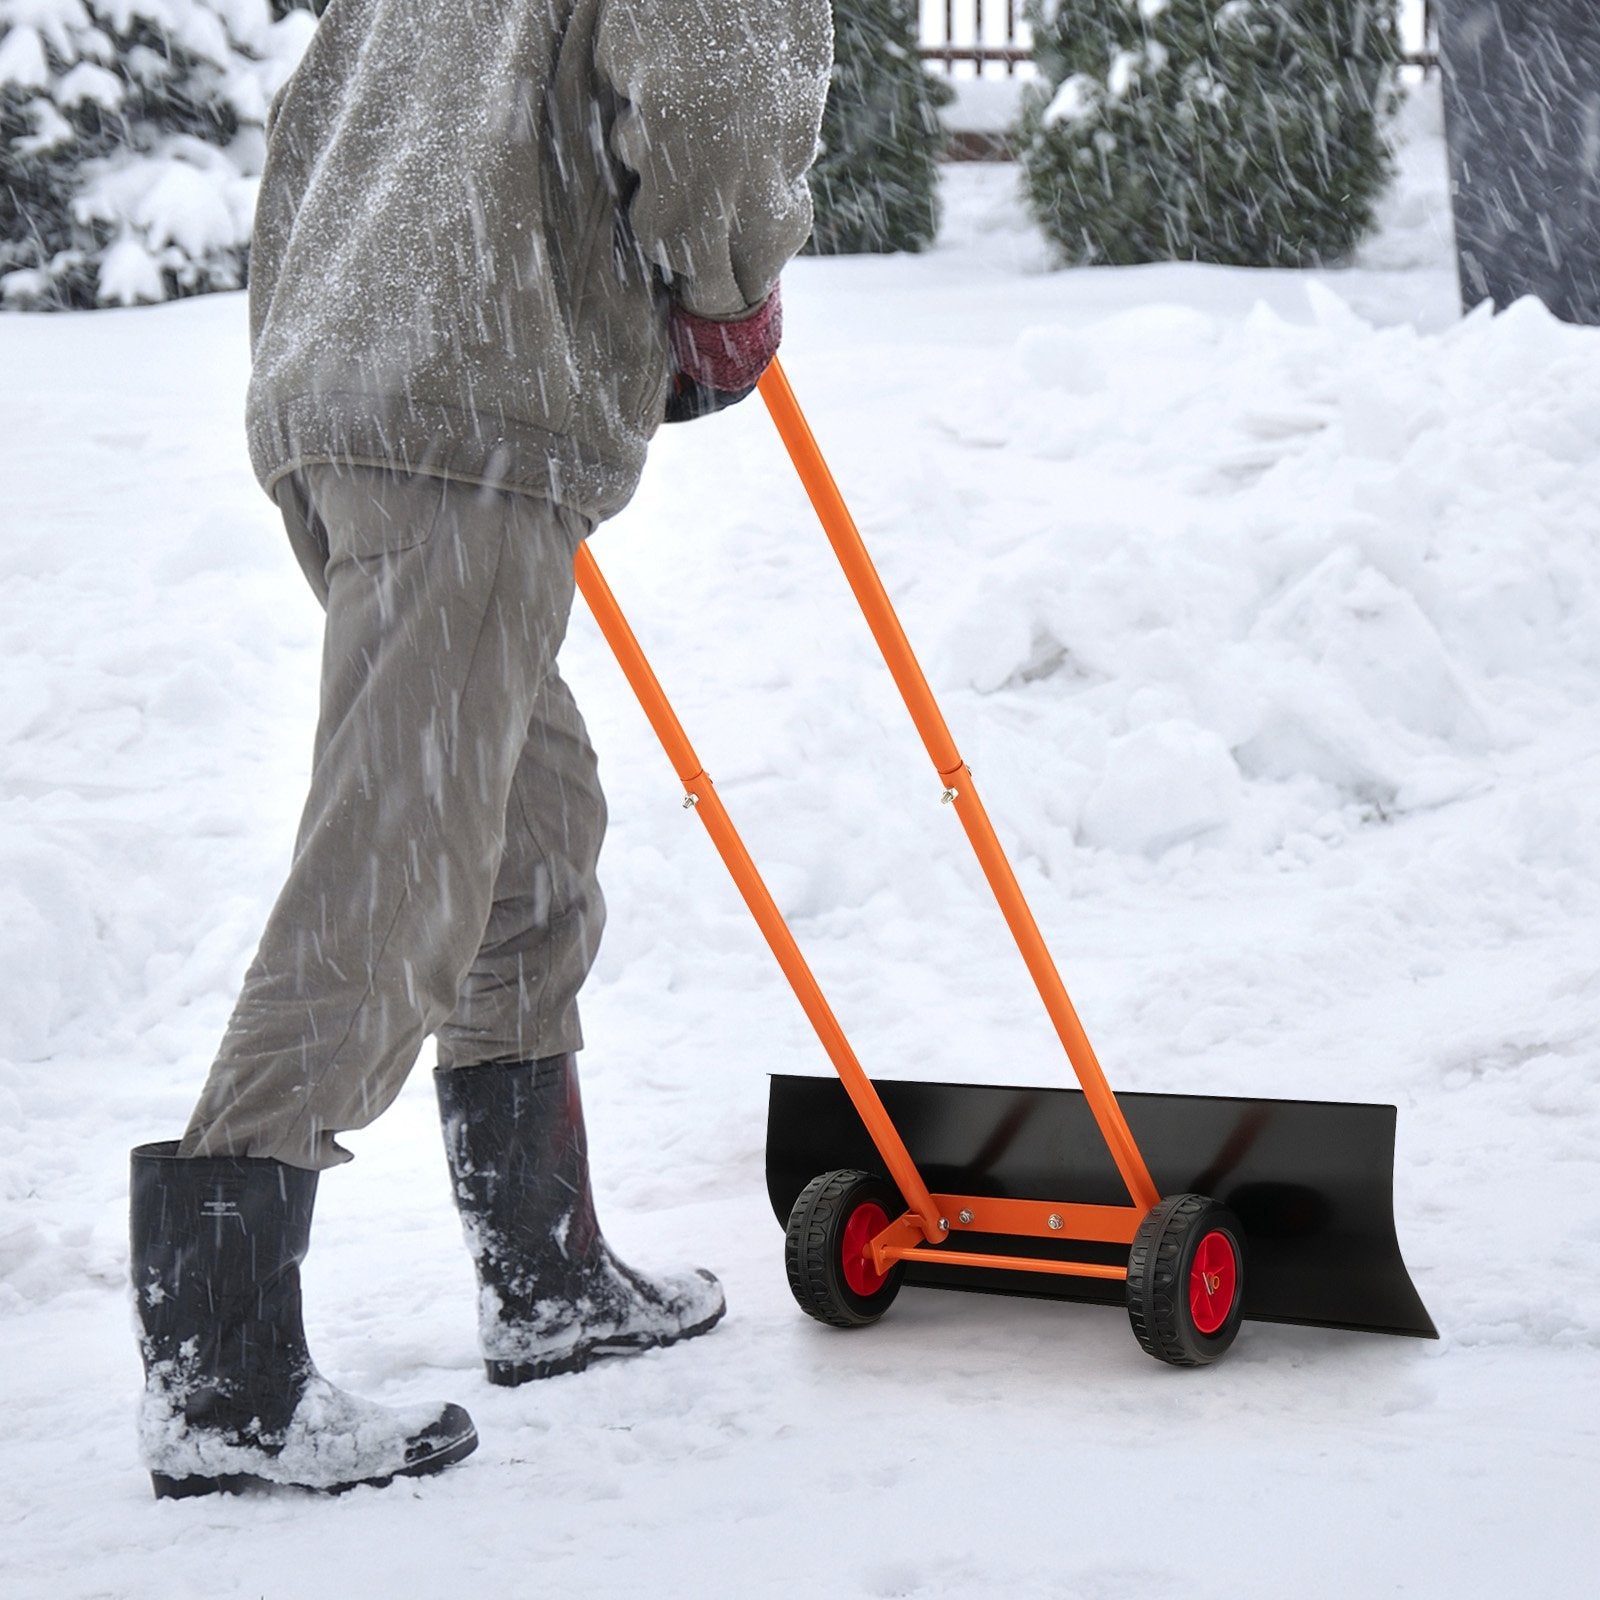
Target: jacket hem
439,441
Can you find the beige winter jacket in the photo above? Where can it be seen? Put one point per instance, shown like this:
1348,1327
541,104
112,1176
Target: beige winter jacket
475,215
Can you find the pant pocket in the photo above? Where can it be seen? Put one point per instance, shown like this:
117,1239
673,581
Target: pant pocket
368,513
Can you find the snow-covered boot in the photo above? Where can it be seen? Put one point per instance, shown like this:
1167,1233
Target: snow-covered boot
552,1297
231,1398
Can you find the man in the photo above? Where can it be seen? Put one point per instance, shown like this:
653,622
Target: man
496,244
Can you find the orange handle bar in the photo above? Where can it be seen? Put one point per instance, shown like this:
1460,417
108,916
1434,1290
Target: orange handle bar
913,685
909,678
704,798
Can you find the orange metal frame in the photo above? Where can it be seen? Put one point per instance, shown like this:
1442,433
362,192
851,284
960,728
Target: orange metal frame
933,1221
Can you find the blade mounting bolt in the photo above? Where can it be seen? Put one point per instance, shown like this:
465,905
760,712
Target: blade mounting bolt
944,1225
966,1216
1055,1223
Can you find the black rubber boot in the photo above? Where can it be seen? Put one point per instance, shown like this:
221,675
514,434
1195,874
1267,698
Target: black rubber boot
231,1396
552,1297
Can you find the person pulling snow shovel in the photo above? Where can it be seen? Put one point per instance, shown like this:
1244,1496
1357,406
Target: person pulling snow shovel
495,247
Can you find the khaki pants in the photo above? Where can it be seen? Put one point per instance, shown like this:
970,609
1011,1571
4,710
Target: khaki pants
444,873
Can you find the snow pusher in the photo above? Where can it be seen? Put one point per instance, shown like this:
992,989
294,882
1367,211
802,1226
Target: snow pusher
1197,1211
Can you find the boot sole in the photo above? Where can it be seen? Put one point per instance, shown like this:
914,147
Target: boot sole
170,1488
512,1374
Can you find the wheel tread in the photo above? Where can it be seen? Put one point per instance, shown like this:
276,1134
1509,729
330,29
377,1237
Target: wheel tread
1157,1305
810,1245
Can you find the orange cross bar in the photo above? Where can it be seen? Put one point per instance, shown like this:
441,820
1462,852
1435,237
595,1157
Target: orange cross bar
903,1239
931,1255
1039,1219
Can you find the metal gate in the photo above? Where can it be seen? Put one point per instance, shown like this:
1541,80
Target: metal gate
977,38
991,38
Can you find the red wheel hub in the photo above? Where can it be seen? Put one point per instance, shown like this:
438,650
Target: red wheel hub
1213,1282
865,1224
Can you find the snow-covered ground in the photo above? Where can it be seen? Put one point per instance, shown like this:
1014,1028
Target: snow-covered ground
1266,608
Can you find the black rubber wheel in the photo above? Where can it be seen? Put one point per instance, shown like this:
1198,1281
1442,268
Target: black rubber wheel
1186,1280
834,1218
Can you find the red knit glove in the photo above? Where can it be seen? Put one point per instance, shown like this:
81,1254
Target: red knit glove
716,364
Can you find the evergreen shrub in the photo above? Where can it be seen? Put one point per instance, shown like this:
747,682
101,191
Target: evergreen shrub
1243,132
875,185
130,140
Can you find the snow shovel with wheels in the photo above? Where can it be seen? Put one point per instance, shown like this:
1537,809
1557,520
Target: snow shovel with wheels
1196,1211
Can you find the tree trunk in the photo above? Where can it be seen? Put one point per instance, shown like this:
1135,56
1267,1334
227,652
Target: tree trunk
1522,119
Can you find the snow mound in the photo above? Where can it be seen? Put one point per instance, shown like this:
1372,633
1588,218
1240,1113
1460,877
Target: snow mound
1162,785
1358,571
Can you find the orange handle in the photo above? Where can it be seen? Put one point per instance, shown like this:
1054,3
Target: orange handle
703,797
912,683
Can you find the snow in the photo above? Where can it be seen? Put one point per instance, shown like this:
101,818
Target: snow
86,81
1073,101
332,1438
983,105
187,194
22,59
1265,607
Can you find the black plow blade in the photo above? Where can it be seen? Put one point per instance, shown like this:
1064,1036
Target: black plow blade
1311,1181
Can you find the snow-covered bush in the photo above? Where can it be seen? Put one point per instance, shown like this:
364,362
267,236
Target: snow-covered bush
1245,132
875,184
130,140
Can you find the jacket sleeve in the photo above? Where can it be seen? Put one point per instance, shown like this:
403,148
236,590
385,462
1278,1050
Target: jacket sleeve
721,103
